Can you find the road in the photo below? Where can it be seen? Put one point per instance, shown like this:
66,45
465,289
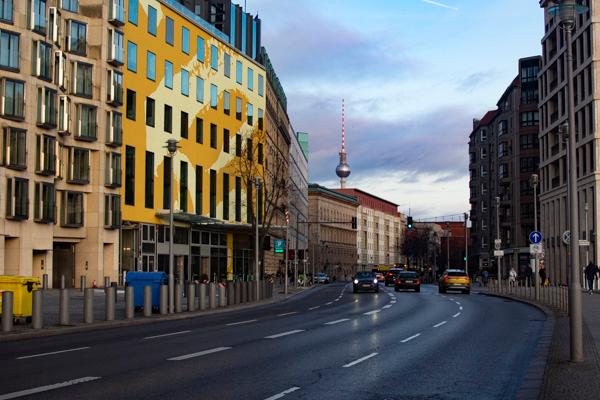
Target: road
327,343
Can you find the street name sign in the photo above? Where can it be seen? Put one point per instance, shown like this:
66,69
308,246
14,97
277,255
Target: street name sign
498,253
279,245
535,237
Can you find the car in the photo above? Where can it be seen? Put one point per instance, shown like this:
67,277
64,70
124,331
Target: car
379,276
455,279
365,280
391,276
320,277
408,280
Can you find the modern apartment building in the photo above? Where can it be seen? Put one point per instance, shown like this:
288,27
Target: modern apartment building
298,205
504,153
60,116
553,109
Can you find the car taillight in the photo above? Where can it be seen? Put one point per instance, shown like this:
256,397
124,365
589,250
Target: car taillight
418,281
390,274
446,278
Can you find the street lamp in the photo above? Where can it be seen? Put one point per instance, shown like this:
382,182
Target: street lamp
536,273
256,267
466,246
172,149
498,241
567,11
448,245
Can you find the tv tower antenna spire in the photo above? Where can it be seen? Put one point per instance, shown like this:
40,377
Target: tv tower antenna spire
343,169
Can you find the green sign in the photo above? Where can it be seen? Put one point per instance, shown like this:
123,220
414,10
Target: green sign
279,245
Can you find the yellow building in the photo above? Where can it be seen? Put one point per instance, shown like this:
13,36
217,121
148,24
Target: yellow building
183,80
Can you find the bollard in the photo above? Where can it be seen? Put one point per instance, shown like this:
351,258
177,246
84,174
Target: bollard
236,292
230,294
147,301
7,311
222,296
45,281
191,297
212,295
243,292
106,281
251,291
62,282
81,283
164,299
129,304
114,285
88,306
37,317
109,303
63,307
202,296
263,287
178,297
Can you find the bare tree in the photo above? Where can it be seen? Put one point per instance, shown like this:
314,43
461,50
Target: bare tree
416,244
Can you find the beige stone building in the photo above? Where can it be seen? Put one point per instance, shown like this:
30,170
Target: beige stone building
60,117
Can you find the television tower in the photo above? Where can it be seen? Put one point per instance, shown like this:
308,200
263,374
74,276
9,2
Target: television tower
343,169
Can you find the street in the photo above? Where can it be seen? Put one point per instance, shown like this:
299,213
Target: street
326,343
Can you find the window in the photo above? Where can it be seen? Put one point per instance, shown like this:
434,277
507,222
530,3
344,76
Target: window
60,69
502,150
12,102
260,118
183,186
213,193
112,171
168,74
199,130
530,118
42,60
483,135
129,175
14,154
529,141
76,37
37,16
167,189
17,198
168,122
185,82
64,114
132,11
149,181
112,211
261,85
46,160
6,10
43,208
249,114
169,31
259,149
213,136
185,40
150,111
226,103
116,12
502,127
226,140
250,79
130,104
238,108
86,121
238,72
227,65
225,197
184,125
81,79
198,190
484,153
70,5
526,188
249,151
529,164
214,57
152,20
79,166
529,73
151,66
214,96
114,128
55,26
199,89
72,209
503,171
131,56
114,85
46,107
529,95
238,145
238,199
200,50
483,171
9,50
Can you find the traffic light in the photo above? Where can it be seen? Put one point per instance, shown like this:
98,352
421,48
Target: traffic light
354,223
409,222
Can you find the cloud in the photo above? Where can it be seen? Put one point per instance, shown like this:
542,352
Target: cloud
475,80
438,4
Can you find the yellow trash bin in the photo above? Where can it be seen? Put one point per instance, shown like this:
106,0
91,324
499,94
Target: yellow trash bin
22,288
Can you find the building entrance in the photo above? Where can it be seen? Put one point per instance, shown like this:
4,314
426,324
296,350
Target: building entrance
63,263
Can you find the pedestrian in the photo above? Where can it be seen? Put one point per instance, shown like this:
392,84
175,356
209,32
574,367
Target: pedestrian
591,271
528,275
512,276
542,276
485,275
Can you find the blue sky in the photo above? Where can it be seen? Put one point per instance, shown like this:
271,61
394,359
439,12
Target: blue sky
413,73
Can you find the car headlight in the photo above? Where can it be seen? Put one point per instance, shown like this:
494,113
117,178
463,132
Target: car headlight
375,280
356,281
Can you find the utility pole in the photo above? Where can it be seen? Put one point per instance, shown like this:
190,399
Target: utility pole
498,238
536,272
256,266
466,245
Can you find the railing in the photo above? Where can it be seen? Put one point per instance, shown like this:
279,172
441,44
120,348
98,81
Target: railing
554,296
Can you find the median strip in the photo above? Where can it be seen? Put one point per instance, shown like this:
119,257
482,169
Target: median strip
198,354
46,388
353,363
278,335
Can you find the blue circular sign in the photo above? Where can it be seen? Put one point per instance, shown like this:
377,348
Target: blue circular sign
535,237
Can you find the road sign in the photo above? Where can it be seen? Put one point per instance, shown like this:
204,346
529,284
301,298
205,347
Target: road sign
279,245
535,237
536,248
497,244
498,253
566,237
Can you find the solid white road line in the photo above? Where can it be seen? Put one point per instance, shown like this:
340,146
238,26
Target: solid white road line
456,315
337,321
166,334
287,313
241,322
408,339
440,324
353,363
41,389
278,335
53,352
198,354
280,395
372,312
313,308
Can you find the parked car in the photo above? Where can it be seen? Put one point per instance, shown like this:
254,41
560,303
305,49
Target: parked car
455,279
321,277
391,276
408,280
365,280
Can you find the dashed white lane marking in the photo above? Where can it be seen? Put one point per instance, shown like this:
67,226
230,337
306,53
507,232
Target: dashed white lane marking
198,354
46,388
393,301
353,363
287,313
440,324
313,308
451,299
356,301
387,306
372,312
337,321
408,339
337,300
282,394
458,302
460,308
456,315
53,352
241,322
166,335
278,335
328,304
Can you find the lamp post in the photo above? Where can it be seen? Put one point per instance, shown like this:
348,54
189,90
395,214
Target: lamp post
448,245
466,246
172,149
567,11
256,267
499,272
536,273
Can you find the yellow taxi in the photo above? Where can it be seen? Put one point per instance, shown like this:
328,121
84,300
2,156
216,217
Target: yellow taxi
455,279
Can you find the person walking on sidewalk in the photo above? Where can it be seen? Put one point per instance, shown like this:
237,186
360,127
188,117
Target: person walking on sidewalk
591,271
512,276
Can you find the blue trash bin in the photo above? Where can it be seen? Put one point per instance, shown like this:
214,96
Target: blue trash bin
140,279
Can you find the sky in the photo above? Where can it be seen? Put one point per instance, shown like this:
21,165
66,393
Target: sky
413,75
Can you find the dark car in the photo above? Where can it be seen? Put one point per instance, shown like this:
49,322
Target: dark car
365,281
391,276
408,280
455,279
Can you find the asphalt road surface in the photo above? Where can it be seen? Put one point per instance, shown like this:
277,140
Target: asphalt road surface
327,343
